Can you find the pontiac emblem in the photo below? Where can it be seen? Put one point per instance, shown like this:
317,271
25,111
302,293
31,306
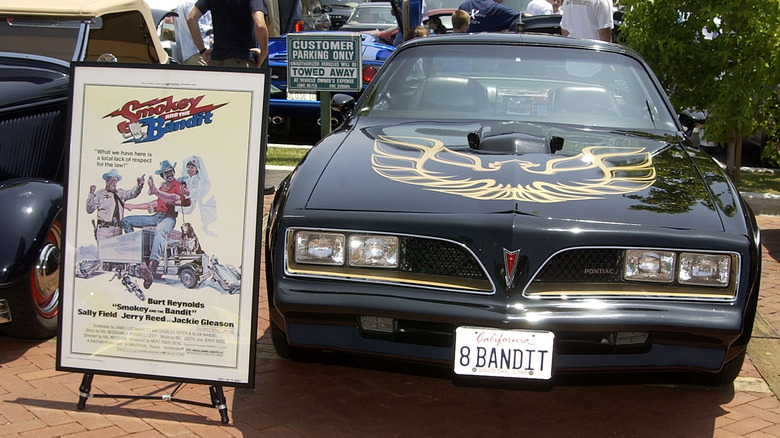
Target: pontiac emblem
510,264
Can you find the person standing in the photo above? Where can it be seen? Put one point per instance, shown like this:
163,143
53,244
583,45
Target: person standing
539,7
436,27
109,204
416,32
489,15
590,19
186,51
556,4
460,21
240,32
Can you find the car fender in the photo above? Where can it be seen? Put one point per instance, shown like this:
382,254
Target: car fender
30,206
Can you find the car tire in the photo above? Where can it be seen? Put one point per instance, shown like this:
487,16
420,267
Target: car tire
279,339
726,375
283,348
34,301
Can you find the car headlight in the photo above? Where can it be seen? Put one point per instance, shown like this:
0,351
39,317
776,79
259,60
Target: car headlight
321,248
704,269
649,265
373,250
689,268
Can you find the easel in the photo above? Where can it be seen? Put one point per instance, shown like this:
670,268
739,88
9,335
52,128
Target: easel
217,397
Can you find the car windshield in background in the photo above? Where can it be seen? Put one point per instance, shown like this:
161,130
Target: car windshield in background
541,85
371,14
342,3
45,37
517,5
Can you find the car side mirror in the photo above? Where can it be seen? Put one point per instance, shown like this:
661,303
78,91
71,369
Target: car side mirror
343,103
690,119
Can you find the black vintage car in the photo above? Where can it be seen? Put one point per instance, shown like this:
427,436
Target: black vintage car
514,205
38,40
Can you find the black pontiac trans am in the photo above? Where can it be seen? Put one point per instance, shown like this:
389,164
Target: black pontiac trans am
515,206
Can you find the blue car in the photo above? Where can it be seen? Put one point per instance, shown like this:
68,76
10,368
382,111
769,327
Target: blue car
299,113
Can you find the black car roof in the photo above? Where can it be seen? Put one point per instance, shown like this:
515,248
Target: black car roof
532,39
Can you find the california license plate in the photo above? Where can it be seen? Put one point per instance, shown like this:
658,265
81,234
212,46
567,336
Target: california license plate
519,354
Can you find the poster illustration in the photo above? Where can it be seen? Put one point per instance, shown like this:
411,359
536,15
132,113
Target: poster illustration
162,229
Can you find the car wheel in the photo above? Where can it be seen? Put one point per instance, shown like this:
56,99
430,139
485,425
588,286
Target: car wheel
188,277
34,301
727,374
279,339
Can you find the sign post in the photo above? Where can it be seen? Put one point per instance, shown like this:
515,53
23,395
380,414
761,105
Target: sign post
325,62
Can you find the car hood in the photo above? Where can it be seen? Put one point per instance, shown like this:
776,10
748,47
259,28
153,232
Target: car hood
599,176
30,79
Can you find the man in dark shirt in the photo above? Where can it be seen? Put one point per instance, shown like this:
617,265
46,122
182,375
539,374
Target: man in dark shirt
240,32
489,15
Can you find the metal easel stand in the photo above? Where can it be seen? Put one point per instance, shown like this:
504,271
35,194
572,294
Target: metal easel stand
217,397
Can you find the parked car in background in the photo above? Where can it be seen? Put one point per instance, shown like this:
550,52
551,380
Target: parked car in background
339,11
519,206
370,16
38,40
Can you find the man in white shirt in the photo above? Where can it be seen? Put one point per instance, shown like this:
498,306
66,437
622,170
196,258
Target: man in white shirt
186,51
591,19
539,7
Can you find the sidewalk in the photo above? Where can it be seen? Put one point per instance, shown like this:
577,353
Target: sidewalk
350,397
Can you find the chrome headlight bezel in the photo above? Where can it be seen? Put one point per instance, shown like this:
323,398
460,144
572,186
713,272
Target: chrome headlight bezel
685,268
380,258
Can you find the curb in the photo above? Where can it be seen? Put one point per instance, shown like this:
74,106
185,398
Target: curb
763,203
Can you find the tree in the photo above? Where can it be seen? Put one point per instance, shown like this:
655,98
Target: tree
719,56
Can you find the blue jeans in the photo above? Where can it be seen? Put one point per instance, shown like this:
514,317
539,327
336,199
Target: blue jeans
164,224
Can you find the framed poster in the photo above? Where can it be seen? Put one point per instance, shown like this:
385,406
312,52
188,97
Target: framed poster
162,232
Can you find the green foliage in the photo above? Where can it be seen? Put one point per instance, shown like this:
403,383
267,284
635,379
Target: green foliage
770,154
285,156
731,76
759,182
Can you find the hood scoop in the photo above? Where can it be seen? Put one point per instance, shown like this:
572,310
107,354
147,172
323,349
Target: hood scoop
513,143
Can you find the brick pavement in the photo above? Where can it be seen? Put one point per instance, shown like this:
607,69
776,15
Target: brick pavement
344,397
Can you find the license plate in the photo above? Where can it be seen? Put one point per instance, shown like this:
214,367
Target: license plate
301,96
519,354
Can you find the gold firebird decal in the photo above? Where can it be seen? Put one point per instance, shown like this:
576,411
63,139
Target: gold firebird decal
604,171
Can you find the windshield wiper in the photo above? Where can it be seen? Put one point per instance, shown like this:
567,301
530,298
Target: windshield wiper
650,111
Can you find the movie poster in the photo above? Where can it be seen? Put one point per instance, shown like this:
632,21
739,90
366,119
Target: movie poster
161,253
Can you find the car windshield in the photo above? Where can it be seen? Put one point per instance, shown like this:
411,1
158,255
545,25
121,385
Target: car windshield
45,37
341,3
517,5
372,14
121,36
503,82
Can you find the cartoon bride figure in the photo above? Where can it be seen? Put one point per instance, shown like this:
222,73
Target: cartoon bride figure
198,183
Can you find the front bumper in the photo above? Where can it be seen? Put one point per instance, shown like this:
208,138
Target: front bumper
680,336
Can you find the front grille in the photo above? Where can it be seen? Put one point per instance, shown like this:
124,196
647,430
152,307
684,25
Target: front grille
32,145
583,265
336,21
437,257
